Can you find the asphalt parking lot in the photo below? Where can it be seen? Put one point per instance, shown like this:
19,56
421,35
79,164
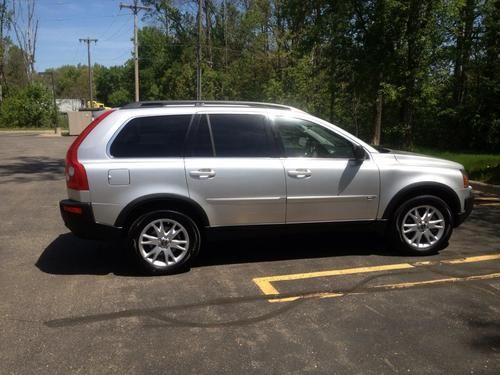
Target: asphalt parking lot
323,303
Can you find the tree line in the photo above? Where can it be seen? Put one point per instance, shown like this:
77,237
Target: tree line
398,72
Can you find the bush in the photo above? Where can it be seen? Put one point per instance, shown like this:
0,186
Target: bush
29,107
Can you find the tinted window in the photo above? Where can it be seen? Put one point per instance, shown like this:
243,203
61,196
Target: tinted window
240,135
302,138
160,136
201,143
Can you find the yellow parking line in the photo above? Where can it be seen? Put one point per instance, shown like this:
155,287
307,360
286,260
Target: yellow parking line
395,286
436,281
479,258
264,283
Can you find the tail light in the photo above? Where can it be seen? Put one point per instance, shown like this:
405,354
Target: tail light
76,177
72,209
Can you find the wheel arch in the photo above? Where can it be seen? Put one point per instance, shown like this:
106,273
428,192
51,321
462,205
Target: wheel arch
155,202
424,188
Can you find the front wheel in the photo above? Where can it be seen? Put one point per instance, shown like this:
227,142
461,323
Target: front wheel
422,225
165,241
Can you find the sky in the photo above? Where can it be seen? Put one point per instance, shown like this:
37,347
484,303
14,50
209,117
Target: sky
63,22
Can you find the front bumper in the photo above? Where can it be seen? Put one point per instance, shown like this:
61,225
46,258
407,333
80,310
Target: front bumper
79,218
468,206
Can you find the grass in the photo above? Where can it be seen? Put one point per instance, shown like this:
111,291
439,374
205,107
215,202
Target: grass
481,167
28,129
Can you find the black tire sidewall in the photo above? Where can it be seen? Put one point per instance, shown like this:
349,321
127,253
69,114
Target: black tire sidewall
185,221
397,237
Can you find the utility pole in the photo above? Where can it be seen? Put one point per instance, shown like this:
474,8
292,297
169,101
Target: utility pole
88,41
198,54
135,9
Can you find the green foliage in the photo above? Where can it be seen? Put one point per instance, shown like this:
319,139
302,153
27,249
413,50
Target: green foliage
72,81
482,167
114,85
118,98
31,107
14,69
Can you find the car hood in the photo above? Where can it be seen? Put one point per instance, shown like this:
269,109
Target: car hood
414,159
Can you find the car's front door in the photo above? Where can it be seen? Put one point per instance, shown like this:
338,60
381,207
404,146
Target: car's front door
233,170
324,182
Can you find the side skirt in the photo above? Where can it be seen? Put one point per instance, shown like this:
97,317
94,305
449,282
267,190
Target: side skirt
275,230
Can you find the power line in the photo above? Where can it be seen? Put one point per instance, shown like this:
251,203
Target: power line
135,9
88,41
111,24
116,33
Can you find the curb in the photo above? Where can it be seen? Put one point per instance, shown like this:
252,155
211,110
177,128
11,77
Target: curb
485,188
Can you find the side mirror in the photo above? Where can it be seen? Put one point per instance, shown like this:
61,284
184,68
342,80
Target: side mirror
359,153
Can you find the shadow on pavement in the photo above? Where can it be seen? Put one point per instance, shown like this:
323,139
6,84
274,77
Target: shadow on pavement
268,248
69,255
32,168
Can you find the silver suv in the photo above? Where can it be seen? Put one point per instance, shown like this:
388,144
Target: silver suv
162,174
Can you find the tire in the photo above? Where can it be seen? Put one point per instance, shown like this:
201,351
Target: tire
421,226
165,242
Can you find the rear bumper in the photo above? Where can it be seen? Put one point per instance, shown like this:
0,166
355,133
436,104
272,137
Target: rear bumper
468,206
79,219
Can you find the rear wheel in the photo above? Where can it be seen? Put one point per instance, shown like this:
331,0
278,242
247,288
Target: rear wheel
165,241
422,225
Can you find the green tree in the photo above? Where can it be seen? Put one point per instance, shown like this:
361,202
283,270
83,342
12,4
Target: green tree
31,106
400,72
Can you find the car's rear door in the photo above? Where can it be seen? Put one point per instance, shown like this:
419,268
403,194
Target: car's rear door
145,157
233,170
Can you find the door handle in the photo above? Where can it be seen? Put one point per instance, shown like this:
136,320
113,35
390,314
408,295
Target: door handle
300,173
203,173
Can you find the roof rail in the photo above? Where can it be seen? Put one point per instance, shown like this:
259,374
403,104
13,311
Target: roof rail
204,103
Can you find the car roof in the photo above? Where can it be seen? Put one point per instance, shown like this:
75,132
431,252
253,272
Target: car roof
207,104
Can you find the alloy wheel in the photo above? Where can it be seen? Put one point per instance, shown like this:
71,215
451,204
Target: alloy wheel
163,243
423,226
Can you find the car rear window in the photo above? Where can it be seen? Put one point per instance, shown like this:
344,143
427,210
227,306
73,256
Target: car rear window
155,136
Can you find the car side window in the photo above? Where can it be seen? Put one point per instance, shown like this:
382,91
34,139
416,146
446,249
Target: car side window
305,139
200,143
155,136
232,135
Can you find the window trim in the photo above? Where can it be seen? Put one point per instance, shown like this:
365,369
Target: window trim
282,145
125,123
